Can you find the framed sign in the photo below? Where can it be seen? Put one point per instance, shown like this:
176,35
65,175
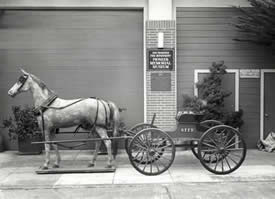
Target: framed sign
160,59
249,73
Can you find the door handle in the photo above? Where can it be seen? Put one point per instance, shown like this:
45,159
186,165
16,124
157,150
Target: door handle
266,115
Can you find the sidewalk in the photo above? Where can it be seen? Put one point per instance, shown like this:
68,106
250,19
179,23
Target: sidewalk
18,172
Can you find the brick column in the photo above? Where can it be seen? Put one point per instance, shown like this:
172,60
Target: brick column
163,103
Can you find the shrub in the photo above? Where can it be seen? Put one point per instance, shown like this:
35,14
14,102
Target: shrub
210,89
22,124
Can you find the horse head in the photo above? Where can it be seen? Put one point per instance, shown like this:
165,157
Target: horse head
22,84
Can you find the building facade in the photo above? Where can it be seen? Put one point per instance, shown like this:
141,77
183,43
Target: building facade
142,54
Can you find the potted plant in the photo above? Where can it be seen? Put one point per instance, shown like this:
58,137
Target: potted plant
23,127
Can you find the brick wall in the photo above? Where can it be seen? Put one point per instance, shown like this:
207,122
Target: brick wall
163,103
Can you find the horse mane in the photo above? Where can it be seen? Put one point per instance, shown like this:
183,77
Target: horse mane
41,84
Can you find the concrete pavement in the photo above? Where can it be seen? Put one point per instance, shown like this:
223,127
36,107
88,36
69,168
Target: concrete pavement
185,177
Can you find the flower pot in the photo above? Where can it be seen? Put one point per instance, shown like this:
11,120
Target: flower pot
26,148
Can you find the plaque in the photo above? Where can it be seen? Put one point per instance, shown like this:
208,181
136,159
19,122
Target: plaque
160,81
160,59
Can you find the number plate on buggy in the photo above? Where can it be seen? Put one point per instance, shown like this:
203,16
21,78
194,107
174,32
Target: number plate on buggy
187,129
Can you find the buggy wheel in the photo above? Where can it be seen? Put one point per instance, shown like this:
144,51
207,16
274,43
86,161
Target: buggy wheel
207,124
204,126
152,151
221,149
194,148
134,130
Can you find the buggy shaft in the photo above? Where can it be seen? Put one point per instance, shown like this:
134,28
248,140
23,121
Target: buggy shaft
82,140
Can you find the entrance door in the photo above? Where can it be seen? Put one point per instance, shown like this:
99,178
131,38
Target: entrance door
269,105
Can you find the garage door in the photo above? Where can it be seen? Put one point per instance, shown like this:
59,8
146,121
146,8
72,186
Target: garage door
77,54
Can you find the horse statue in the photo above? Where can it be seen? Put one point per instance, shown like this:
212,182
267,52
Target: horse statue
53,113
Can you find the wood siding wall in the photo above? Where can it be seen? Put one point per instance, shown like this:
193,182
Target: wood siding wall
77,54
205,35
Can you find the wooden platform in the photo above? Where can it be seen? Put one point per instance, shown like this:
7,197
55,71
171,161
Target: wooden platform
75,170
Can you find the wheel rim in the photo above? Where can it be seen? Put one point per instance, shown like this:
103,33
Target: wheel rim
221,149
134,130
207,124
151,151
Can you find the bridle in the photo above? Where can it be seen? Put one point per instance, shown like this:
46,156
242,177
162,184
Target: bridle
22,79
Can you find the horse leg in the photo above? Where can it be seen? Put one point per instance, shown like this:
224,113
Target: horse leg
47,150
103,134
57,156
97,146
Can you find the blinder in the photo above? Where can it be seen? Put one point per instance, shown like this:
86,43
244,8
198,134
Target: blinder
22,79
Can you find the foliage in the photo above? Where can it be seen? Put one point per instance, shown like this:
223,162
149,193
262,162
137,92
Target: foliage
193,104
258,21
210,89
23,124
233,119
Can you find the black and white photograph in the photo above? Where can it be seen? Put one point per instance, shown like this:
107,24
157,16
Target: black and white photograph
137,99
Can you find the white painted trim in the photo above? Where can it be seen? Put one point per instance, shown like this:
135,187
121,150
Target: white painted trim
263,71
145,17
211,3
176,70
85,4
237,84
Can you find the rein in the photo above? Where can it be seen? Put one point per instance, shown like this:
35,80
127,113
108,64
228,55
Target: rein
46,105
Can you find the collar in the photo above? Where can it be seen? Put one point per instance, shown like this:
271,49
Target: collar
44,106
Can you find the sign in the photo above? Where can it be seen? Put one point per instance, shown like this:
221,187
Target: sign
160,59
249,73
161,81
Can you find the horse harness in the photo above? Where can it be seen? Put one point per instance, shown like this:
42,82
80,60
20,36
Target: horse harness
46,105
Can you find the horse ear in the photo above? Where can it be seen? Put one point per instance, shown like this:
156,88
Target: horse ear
24,72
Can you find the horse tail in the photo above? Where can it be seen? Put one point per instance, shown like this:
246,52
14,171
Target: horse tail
114,117
115,121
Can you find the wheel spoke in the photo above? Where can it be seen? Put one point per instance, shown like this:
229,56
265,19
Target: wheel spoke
217,162
160,143
205,143
237,149
233,144
233,137
164,147
135,158
222,165
140,146
157,166
227,162
209,150
238,156
212,141
140,161
203,155
225,139
231,159
146,161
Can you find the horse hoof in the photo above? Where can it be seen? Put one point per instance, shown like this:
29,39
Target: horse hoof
55,166
109,167
91,165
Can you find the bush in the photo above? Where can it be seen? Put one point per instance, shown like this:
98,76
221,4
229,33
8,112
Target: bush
210,89
23,124
193,104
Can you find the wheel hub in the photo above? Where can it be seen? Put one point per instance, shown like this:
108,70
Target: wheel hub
152,153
